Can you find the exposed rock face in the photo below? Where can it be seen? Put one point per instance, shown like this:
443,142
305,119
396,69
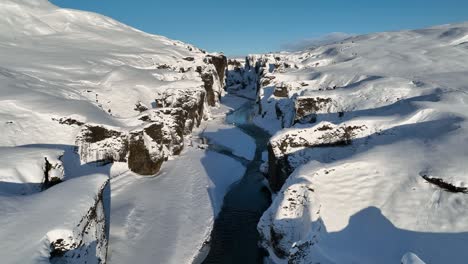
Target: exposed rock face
53,173
213,76
220,62
174,126
140,159
278,169
190,100
87,243
208,79
147,147
285,112
308,107
240,77
289,150
445,185
140,107
99,143
281,90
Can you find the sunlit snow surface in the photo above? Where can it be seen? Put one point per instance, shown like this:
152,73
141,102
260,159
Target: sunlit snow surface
368,202
58,64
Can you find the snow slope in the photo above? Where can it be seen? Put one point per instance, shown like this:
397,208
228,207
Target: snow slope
61,69
373,133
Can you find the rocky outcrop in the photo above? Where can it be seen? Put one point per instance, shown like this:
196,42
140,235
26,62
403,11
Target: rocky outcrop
53,173
144,148
278,169
141,159
87,243
285,109
213,75
281,90
174,120
449,187
103,144
220,62
286,150
308,107
192,101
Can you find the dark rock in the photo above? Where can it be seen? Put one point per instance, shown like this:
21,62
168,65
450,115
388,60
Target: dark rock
220,62
139,159
210,74
50,180
140,107
98,133
282,90
235,63
307,107
278,169
208,81
97,143
281,149
285,112
190,100
164,67
445,185
266,80
275,239
68,121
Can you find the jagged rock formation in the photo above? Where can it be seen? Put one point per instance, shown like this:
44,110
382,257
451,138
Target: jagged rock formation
175,113
192,101
87,243
213,77
144,148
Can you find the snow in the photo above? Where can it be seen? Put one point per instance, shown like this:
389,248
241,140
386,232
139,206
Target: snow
29,223
63,68
369,201
232,138
411,258
166,219
365,202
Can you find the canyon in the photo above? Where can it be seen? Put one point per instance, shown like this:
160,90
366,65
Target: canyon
118,146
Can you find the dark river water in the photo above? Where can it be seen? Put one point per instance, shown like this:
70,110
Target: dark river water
234,238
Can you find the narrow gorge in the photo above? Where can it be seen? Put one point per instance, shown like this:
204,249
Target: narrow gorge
118,146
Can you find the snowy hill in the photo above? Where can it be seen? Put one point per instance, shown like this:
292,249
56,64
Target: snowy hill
370,147
79,91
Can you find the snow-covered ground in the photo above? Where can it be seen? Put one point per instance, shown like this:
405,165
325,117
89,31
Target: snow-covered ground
373,130
70,78
166,219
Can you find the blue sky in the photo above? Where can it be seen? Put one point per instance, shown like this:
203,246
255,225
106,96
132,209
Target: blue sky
240,27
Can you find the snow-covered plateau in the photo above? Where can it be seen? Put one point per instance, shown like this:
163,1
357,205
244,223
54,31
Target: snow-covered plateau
368,157
115,146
